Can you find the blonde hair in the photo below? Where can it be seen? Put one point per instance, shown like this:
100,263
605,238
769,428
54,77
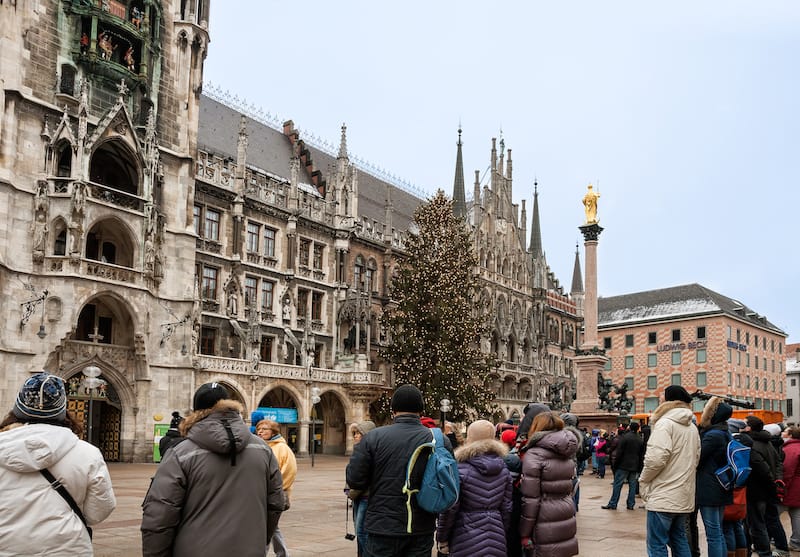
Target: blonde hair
271,425
546,421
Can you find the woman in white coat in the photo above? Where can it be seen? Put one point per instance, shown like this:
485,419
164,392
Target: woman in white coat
39,434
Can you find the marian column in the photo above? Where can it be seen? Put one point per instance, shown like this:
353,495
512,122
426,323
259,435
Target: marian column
591,358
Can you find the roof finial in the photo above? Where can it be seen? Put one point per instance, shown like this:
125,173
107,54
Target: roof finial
122,91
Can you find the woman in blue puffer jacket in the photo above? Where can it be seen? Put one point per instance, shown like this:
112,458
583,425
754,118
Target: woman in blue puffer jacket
477,523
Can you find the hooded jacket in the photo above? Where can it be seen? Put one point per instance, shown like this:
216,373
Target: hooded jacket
765,464
791,472
379,464
286,462
713,455
35,519
548,510
667,481
219,492
477,523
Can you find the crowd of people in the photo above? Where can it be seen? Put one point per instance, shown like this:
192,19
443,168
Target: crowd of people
518,486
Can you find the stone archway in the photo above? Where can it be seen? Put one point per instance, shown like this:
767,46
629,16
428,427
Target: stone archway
101,410
280,404
332,435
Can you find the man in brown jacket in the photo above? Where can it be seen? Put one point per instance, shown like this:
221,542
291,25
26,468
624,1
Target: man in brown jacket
217,493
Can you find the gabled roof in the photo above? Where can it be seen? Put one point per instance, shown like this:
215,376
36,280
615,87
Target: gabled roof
689,300
270,150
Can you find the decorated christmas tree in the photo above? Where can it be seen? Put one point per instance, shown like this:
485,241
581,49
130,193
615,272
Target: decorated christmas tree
436,325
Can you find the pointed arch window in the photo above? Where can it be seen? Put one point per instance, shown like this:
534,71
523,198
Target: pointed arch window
113,165
60,242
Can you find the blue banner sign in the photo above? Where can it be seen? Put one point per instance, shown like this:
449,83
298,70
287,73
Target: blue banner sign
280,415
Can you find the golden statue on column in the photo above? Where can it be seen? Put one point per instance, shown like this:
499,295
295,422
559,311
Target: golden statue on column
590,205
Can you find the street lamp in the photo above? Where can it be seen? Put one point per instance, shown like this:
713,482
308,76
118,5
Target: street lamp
314,400
445,408
91,380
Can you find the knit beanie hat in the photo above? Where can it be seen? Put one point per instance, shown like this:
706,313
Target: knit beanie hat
176,420
41,398
735,425
480,430
509,437
722,413
362,427
773,429
676,392
570,419
208,395
407,398
427,422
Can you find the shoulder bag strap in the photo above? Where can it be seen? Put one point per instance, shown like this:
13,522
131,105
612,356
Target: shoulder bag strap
59,487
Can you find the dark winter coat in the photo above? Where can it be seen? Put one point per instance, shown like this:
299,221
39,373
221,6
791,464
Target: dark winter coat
548,510
219,492
764,462
379,464
714,439
791,472
713,456
171,438
629,452
478,522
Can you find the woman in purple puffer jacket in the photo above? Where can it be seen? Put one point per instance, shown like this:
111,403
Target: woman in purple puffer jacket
477,523
548,526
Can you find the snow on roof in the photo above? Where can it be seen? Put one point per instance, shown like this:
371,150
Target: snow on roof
662,310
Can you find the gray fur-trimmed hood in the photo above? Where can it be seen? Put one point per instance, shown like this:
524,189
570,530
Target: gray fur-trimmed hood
481,447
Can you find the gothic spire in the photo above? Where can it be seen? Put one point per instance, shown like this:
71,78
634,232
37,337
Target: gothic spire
343,143
577,276
536,229
459,202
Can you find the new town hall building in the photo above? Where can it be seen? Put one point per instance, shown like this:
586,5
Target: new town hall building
161,237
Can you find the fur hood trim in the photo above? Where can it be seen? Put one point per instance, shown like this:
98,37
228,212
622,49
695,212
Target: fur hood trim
708,411
666,407
9,427
221,406
477,448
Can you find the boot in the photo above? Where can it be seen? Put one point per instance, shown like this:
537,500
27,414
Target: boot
741,552
731,554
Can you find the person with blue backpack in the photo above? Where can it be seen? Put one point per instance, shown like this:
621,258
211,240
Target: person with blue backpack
395,523
710,494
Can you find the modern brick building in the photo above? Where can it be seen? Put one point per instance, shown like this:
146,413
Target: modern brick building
692,336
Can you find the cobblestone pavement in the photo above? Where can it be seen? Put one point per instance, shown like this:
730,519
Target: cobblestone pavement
315,525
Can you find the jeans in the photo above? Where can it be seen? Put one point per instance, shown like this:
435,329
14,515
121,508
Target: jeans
712,522
419,545
279,544
666,529
359,511
794,516
758,527
622,477
735,538
601,466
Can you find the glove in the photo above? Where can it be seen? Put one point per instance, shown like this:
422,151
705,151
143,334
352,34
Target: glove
527,544
443,548
780,490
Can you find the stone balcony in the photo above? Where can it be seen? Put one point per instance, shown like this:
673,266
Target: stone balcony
285,371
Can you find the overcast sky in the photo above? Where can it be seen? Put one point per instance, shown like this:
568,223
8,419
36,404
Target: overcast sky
686,114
